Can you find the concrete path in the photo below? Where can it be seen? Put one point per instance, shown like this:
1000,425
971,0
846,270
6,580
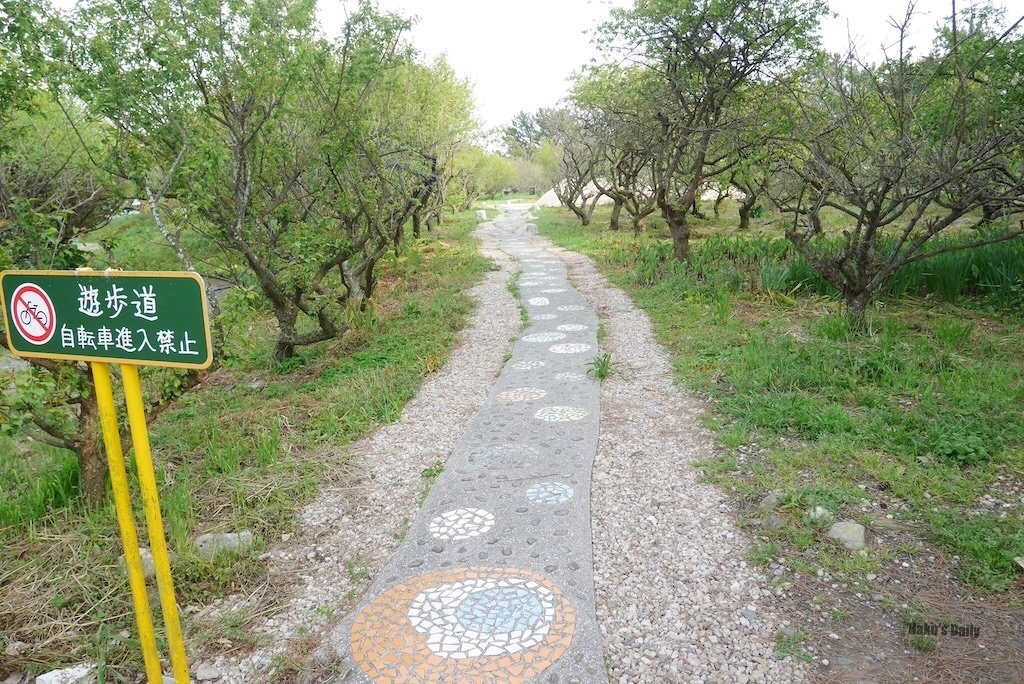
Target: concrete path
494,581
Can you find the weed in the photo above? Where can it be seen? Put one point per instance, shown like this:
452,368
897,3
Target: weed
357,569
763,554
792,645
429,475
922,643
600,366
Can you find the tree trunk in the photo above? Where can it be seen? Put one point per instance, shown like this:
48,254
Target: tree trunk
638,225
746,206
92,467
616,211
857,308
284,349
680,229
417,224
678,225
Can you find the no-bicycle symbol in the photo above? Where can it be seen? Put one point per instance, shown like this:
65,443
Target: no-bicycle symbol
33,313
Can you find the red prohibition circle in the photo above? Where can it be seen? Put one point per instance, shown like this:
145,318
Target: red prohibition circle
48,326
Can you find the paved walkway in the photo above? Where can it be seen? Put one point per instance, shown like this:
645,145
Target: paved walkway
494,581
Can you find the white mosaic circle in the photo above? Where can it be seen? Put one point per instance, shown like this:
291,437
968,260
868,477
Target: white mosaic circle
544,337
504,455
483,617
530,283
544,317
553,290
550,492
462,523
571,307
521,394
538,301
570,376
573,327
560,414
569,348
527,365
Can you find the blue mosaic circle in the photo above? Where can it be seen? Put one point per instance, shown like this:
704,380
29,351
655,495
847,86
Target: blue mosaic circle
504,609
550,492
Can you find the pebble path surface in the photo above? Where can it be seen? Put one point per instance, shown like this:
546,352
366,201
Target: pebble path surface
494,581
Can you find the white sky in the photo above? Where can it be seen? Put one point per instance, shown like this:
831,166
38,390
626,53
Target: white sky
519,54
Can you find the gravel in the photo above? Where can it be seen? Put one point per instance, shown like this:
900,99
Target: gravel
674,594
350,531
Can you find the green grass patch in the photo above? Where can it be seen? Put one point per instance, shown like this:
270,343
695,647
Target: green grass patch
928,407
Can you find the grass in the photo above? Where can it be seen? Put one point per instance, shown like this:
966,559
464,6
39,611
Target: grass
243,452
600,366
925,412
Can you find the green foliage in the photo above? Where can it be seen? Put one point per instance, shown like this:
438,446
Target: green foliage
928,405
600,366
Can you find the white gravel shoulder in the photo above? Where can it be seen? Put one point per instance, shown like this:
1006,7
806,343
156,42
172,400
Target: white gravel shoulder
676,600
350,531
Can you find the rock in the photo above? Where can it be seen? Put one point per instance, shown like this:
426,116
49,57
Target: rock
654,413
750,613
1019,560
148,568
871,577
889,524
15,648
210,544
205,672
481,215
79,674
820,513
773,522
772,501
848,533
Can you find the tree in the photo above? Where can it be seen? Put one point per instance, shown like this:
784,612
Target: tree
51,197
902,151
569,161
300,157
614,99
705,52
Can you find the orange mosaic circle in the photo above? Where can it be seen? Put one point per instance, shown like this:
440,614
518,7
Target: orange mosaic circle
464,625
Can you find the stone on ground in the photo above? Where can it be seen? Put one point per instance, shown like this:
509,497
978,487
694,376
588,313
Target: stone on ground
79,674
850,534
212,543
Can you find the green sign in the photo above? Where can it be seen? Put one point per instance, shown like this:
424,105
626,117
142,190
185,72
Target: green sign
144,318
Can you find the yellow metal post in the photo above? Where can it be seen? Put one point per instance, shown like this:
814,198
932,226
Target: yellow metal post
154,520
126,521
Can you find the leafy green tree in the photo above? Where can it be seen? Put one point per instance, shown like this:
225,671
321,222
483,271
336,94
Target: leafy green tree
705,53
903,151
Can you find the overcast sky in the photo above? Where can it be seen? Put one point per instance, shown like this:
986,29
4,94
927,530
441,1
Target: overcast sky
519,54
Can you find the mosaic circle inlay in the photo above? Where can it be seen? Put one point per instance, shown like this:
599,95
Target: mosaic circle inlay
529,283
544,337
560,414
462,523
521,394
538,301
544,317
550,492
571,307
569,348
467,624
527,365
570,376
573,327
504,455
